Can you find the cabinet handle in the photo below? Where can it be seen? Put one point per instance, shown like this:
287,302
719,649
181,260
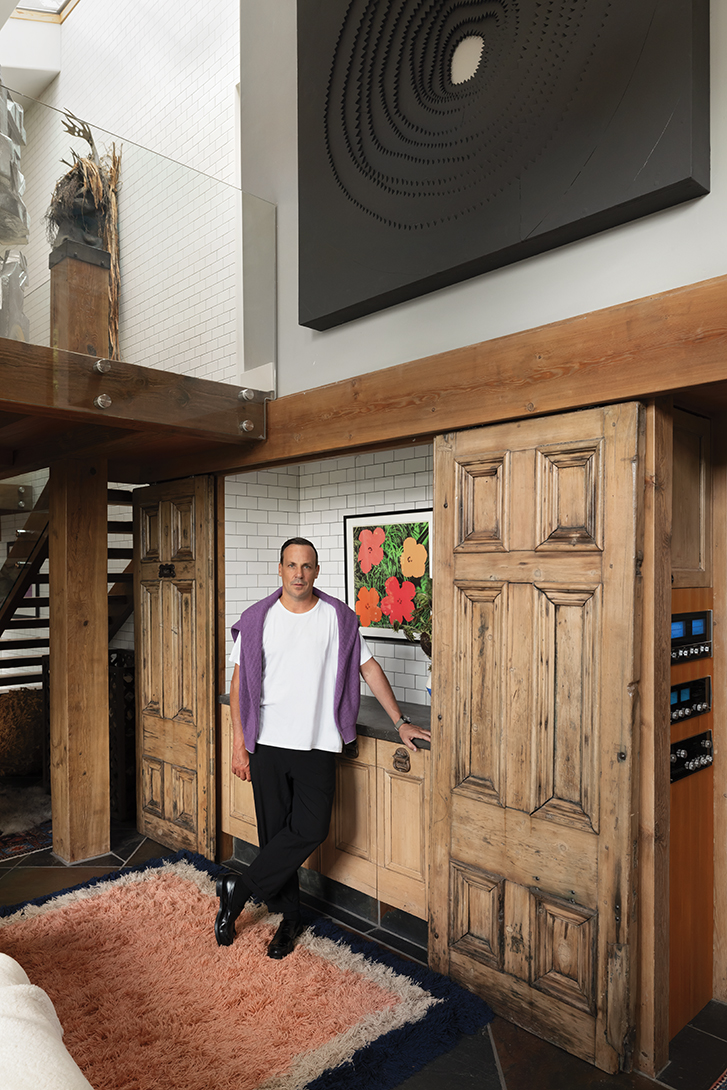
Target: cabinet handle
402,762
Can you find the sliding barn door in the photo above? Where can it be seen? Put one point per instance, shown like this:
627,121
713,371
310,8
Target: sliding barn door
174,606
533,784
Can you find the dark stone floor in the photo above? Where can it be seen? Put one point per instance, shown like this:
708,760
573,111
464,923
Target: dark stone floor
501,1057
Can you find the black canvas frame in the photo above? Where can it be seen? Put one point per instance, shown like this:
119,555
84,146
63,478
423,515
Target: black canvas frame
583,114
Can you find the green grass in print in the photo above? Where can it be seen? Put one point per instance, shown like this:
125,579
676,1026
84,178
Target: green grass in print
392,579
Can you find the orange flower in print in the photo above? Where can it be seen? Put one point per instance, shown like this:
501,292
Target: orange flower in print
367,606
398,603
371,551
413,558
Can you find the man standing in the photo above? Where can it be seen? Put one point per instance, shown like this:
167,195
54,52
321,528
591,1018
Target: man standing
294,701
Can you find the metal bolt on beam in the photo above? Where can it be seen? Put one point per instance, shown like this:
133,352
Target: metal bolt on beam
246,395
102,367
103,401
247,425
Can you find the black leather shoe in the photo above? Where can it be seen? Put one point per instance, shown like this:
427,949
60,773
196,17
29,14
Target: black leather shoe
224,923
284,938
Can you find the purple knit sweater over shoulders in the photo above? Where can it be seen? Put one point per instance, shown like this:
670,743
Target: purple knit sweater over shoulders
249,630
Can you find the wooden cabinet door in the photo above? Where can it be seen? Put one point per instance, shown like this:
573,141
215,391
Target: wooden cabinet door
535,695
402,827
349,854
238,801
174,606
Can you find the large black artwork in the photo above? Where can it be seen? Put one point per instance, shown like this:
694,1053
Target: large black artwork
418,169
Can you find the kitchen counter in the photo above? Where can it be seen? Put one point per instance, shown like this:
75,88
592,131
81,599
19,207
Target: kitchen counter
373,722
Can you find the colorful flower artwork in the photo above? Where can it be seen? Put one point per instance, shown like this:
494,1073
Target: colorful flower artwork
388,569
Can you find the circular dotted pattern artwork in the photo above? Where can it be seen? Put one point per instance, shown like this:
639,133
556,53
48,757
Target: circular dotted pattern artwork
413,143
442,139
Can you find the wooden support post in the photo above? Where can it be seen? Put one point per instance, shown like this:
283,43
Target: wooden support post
225,845
79,704
652,1010
79,299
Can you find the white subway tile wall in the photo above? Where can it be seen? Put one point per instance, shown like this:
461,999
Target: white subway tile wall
262,509
164,76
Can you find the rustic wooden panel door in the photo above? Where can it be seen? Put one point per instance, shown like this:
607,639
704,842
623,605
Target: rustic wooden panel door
535,684
174,606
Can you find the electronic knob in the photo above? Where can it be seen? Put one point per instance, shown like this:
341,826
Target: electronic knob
691,755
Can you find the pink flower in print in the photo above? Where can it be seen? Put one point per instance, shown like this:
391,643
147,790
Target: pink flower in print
371,551
398,603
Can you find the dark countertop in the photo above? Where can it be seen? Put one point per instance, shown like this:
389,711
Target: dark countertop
373,722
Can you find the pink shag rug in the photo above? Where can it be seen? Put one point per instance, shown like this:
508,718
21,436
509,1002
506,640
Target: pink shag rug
148,1001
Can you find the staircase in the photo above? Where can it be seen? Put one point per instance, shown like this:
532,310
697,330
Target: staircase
24,623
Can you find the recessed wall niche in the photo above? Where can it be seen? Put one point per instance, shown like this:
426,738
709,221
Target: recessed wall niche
265,507
441,139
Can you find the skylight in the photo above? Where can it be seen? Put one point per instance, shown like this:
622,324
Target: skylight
53,7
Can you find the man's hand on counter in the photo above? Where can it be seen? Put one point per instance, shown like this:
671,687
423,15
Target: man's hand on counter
378,683
408,731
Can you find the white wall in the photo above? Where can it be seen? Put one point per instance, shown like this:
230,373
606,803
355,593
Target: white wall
262,509
665,250
164,76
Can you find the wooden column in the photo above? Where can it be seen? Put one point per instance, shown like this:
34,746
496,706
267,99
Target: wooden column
79,712
225,845
79,299
652,1037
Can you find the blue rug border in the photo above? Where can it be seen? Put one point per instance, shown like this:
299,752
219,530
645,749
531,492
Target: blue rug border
395,1056
198,861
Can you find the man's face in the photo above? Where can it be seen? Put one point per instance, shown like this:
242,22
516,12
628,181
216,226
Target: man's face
299,572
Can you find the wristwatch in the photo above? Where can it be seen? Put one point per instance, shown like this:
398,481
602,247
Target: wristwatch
404,719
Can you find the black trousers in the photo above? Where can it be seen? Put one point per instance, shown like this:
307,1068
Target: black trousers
293,800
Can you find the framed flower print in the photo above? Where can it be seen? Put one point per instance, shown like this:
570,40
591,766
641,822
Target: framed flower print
388,570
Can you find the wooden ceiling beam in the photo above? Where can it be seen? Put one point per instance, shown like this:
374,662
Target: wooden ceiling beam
673,342
643,348
48,382
54,443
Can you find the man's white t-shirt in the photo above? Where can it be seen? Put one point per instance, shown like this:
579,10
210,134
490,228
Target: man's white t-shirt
300,663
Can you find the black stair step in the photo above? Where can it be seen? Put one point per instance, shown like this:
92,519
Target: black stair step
117,526
120,553
120,496
15,664
20,679
28,644
121,577
27,622
34,603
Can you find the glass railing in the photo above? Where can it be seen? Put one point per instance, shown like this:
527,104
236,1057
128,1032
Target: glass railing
179,233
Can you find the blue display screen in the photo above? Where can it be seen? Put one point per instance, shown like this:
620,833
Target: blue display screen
677,629
697,626
684,694
673,697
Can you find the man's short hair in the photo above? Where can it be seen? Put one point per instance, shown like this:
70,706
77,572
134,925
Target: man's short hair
298,541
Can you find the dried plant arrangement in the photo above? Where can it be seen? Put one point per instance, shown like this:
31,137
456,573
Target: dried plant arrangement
84,208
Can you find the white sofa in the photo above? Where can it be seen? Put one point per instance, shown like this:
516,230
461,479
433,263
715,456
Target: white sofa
32,1053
